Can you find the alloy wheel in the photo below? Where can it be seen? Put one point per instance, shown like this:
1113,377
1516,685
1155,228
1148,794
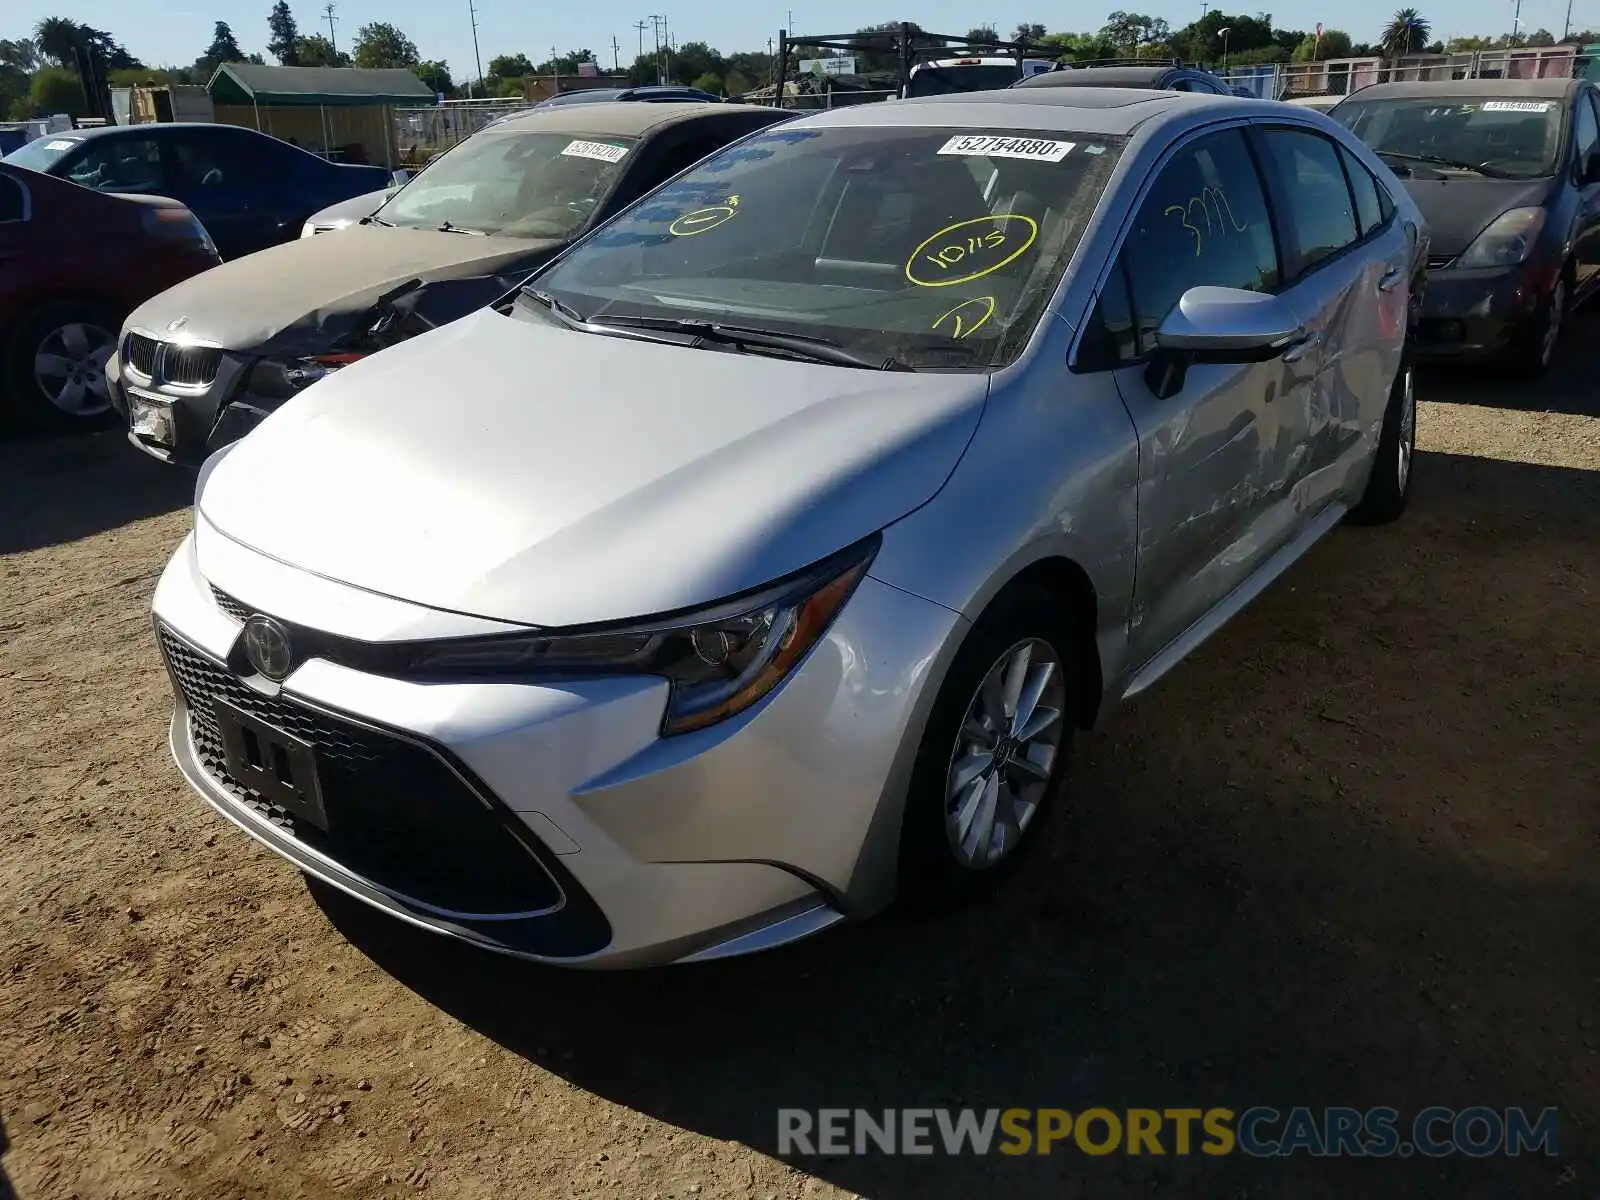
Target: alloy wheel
1005,754
69,368
1552,332
1408,430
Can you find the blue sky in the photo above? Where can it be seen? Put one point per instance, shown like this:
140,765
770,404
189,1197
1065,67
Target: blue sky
179,30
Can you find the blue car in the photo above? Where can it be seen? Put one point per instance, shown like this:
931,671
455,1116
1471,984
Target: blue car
250,190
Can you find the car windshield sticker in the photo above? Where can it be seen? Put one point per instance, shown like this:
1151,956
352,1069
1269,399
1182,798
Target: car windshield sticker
993,146
1094,149
60,144
600,150
1528,106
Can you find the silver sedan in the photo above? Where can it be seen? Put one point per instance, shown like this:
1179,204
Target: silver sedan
753,567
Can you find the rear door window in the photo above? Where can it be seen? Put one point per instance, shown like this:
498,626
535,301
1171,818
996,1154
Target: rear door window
1320,211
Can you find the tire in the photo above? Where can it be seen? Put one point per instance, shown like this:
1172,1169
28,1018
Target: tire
1534,349
1394,465
938,867
76,336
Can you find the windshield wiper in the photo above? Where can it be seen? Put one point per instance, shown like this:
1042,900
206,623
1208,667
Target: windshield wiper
375,219
563,312
799,345
446,227
1437,160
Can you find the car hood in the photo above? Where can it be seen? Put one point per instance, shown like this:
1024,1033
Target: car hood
1458,210
510,469
300,295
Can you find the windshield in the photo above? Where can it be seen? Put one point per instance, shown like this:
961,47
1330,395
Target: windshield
516,182
929,79
937,247
1507,138
43,152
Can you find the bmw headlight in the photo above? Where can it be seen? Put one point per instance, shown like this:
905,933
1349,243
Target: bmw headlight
719,661
278,379
1506,242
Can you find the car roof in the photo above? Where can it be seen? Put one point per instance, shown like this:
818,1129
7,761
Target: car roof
161,128
1100,77
1423,89
623,118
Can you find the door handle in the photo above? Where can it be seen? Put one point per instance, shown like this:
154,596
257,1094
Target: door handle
1303,347
1391,279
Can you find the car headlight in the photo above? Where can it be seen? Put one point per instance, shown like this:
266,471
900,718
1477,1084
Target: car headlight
1506,242
719,661
278,380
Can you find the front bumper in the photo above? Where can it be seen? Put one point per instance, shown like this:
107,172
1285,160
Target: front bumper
552,822
203,418
1480,314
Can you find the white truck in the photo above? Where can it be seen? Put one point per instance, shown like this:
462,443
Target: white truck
946,76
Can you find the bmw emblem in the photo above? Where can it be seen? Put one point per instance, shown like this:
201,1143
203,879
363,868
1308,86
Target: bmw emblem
267,646
174,326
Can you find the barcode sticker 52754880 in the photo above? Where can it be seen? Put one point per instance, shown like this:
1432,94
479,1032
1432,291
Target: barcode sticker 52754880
1006,146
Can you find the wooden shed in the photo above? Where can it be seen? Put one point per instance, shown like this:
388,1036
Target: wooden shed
343,113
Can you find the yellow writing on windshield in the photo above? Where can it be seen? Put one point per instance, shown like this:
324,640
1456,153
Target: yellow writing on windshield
966,318
702,220
1211,200
963,252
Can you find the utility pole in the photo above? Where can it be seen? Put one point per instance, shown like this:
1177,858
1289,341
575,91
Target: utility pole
616,63
327,11
1203,6
640,26
1566,29
1516,23
659,21
472,15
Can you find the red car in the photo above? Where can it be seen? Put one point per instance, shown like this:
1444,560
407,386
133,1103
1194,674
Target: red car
73,264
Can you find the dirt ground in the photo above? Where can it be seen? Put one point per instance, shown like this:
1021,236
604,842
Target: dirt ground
1346,855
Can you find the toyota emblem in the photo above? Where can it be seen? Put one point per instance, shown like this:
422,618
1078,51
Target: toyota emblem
267,646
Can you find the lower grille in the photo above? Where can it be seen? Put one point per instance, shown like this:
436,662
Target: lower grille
397,814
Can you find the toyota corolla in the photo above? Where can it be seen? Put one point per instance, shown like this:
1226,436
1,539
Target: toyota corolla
754,565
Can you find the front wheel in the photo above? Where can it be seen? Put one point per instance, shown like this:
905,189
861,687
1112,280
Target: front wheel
56,367
1389,486
1535,348
994,756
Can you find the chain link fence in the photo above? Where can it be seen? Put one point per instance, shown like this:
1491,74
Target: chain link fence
422,133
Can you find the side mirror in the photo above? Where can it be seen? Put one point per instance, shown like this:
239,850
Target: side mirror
1589,169
1219,325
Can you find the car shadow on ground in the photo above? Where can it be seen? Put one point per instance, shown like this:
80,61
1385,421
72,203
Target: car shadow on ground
1297,895
1571,385
55,490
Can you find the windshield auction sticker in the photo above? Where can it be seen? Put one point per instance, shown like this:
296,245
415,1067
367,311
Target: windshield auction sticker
598,150
1527,106
994,146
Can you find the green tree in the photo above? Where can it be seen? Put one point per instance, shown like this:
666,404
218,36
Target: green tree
1136,33
57,39
56,90
694,59
510,66
436,74
380,44
708,83
1406,33
983,33
314,50
19,54
285,43
224,48
1030,32
1335,43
